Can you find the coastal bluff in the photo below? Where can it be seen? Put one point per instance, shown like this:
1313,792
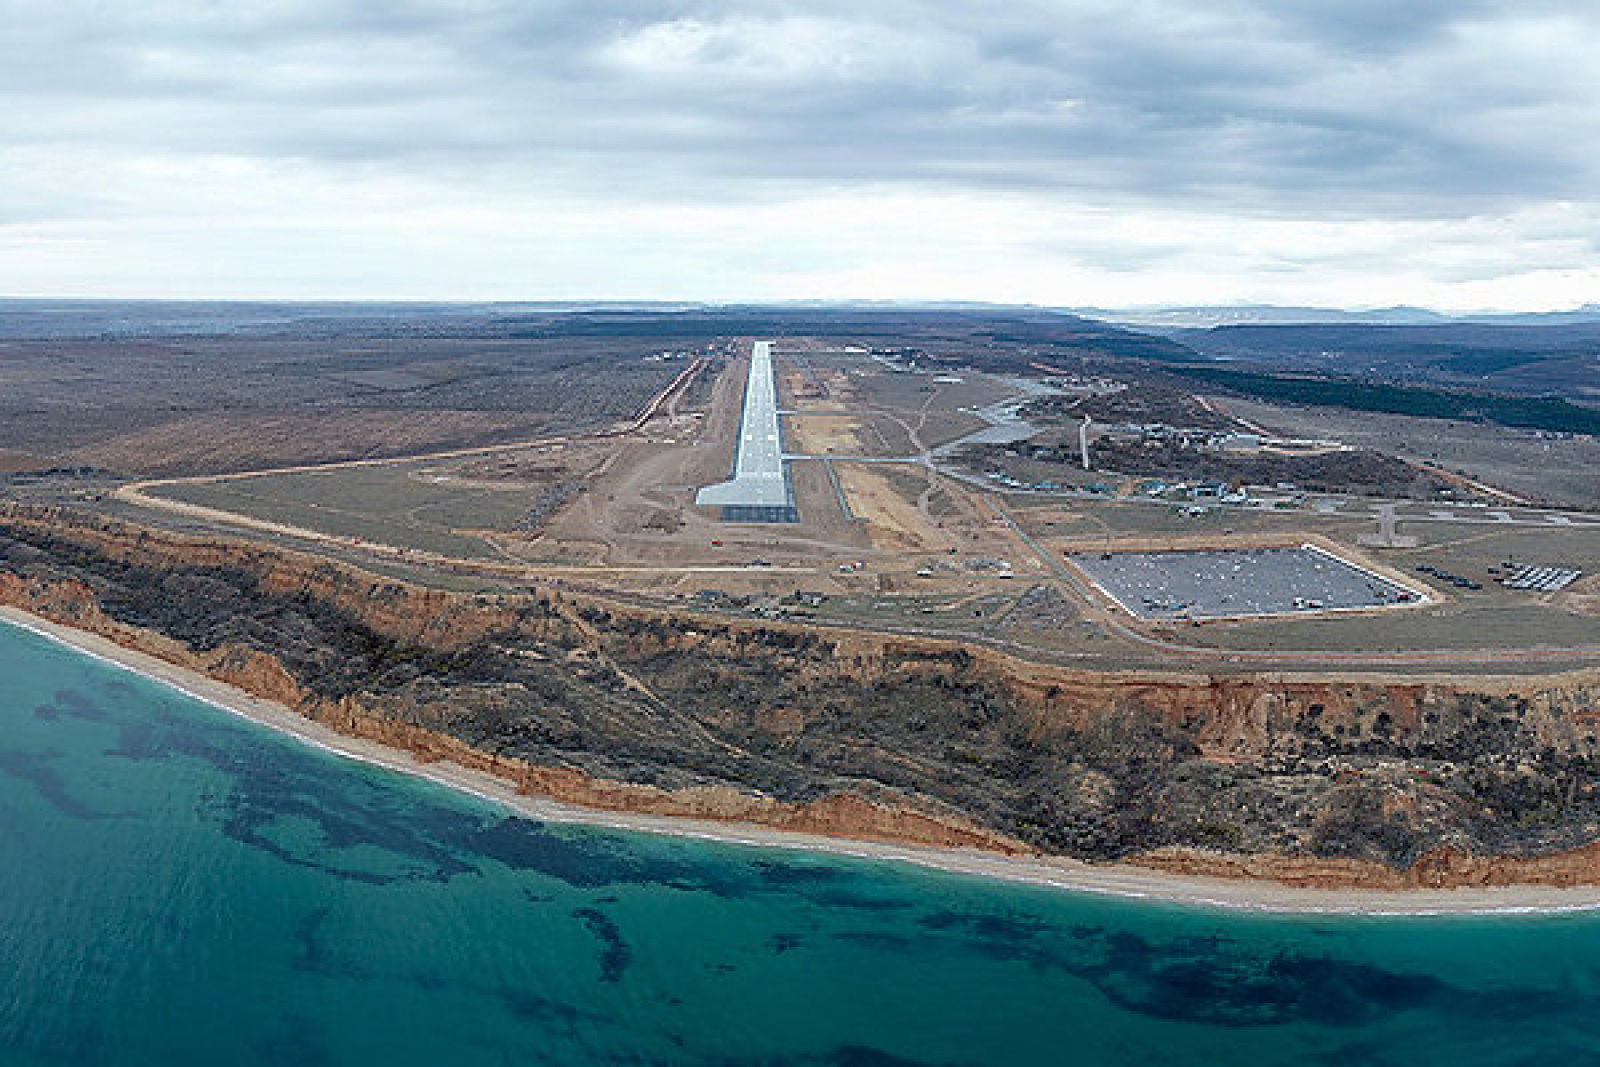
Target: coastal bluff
1355,780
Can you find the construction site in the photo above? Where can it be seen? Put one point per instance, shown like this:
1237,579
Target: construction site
1240,583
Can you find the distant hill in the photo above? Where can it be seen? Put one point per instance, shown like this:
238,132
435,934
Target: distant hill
1552,413
1202,316
1166,319
1547,357
1009,337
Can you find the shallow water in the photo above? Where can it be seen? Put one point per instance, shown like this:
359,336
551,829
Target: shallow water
178,886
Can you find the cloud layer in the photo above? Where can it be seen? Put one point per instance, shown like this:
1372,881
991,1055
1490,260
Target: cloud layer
1090,151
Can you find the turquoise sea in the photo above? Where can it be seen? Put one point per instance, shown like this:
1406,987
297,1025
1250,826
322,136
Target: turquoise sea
178,886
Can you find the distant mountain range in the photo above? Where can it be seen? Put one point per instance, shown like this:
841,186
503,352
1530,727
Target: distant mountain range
1202,316
91,317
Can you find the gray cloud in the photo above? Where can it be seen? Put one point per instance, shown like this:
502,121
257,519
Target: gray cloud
1258,109
1263,105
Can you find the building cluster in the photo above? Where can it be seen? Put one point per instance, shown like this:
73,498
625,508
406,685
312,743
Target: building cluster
801,604
1152,433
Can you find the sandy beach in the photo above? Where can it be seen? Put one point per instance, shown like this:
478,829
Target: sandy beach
1121,880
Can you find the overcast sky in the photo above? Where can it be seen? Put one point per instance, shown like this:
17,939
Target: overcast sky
1081,152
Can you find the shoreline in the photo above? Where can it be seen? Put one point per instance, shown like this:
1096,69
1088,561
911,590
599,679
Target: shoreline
1121,880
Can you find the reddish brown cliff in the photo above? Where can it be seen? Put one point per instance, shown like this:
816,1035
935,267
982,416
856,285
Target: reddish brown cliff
1354,780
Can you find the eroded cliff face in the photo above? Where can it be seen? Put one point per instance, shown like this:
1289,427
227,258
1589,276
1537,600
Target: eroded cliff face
612,705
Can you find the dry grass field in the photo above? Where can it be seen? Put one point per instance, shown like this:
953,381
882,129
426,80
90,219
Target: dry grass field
235,441
1559,470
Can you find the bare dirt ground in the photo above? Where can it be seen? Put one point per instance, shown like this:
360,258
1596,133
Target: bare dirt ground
12,462
894,522
820,435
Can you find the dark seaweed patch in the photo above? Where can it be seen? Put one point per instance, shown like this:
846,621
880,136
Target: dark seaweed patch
863,1056
794,874
1205,979
312,956
615,954
34,768
1005,938
252,814
525,845
272,782
596,861
297,1043
842,1056
535,1008
69,703
845,898
1228,990
877,939
88,1042
988,927
139,742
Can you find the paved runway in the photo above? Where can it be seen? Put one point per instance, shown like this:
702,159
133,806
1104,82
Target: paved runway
759,490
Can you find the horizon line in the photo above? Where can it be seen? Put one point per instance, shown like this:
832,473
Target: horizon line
810,302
